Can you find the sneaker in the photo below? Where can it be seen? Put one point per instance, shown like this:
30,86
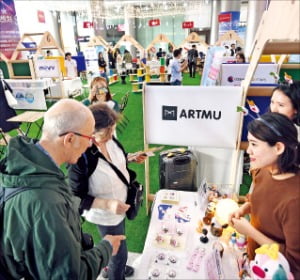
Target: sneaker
104,272
129,270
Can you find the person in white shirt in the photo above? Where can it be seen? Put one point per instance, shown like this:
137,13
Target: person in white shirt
103,194
71,66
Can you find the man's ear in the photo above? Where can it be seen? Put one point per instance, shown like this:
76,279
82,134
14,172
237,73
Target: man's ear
280,147
69,139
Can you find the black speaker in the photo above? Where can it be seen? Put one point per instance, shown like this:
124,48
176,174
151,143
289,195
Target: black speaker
178,170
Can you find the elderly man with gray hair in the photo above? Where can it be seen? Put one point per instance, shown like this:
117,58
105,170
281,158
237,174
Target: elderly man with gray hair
40,235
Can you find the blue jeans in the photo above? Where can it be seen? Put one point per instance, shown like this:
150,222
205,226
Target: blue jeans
116,266
176,83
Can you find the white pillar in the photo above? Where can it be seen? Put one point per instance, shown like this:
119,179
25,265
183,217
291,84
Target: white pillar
255,11
214,30
130,28
230,5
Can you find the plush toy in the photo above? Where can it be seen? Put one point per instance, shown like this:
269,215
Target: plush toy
269,263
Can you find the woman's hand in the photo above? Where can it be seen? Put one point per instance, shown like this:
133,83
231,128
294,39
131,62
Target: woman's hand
116,206
243,226
92,94
113,205
235,215
241,212
138,157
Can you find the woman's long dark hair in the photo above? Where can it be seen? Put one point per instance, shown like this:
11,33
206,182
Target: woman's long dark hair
273,128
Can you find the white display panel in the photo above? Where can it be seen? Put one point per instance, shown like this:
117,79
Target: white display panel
234,74
192,115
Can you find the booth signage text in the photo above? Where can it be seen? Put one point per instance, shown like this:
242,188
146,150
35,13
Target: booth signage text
188,24
154,22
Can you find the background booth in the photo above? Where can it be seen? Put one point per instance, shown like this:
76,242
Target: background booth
135,70
194,39
95,45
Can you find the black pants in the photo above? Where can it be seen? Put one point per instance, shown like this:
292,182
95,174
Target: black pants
192,68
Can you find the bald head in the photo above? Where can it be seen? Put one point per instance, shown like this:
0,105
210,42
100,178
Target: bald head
65,115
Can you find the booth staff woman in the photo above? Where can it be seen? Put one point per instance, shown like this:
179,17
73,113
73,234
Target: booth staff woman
275,199
286,100
102,192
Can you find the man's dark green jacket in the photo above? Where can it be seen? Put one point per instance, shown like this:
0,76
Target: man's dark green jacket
41,233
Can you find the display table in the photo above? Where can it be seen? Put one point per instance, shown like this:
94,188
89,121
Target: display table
65,88
172,241
30,93
29,118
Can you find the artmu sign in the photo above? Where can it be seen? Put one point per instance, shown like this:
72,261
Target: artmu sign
170,113
192,115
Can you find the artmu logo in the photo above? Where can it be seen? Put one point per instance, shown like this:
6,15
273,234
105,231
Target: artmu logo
171,113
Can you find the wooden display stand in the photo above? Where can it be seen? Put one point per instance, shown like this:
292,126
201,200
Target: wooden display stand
160,38
137,84
230,36
3,65
280,36
129,39
193,37
98,41
46,42
3,57
113,79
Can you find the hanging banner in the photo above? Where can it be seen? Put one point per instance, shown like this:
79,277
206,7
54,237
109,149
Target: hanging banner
212,65
192,115
228,21
224,17
154,22
188,24
9,30
88,24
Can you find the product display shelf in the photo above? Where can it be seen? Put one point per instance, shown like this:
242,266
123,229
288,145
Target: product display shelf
113,79
137,87
135,77
137,80
290,66
272,37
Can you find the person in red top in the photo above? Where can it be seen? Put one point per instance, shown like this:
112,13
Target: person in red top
274,204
